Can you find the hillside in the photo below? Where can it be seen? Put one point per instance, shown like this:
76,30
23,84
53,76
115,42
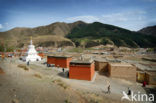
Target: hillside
50,35
98,33
78,33
151,30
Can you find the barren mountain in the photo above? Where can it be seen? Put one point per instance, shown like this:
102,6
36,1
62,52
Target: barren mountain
49,35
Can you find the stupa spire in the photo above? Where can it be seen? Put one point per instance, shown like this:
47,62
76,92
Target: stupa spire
30,40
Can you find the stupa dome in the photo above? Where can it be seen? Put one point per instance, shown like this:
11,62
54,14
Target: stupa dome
32,54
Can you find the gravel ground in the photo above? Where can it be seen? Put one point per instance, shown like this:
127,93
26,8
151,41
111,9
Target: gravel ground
23,86
20,86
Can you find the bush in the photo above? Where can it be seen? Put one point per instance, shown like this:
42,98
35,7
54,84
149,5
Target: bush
38,76
6,48
78,50
60,83
23,67
67,101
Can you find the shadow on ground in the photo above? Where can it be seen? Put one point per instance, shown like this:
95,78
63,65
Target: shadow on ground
63,74
151,90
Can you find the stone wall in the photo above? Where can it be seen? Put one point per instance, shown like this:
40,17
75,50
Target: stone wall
123,71
101,66
151,78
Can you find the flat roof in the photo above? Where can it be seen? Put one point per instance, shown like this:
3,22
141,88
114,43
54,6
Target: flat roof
144,68
151,73
100,60
60,56
81,62
120,64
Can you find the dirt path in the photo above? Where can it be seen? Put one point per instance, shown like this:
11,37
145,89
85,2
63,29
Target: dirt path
20,85
99,86
50,86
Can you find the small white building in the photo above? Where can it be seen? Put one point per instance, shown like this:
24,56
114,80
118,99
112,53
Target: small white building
32,54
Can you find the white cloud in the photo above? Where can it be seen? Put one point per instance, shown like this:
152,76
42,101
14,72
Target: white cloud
117,17
112,17
124,16
6,24
1,26
86,18
133,20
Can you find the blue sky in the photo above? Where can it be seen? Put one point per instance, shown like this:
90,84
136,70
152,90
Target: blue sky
129,14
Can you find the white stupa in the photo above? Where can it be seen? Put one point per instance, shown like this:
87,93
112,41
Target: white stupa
31,54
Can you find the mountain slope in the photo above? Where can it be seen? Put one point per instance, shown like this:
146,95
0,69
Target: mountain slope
78,33
17,37
98,33
151,30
